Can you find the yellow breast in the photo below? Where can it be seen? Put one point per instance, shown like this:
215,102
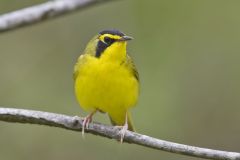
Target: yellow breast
106,86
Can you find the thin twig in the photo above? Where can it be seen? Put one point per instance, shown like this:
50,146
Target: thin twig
75,123
41,12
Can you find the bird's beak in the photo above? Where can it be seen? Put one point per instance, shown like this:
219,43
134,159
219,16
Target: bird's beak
125,38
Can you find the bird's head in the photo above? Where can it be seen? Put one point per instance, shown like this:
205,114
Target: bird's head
110,44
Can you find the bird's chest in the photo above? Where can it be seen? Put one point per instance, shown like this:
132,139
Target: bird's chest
105,75
106,86
103,85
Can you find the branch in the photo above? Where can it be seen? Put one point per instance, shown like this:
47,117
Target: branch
52,9
38,13
75,123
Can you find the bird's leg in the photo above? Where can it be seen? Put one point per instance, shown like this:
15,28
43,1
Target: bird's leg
86,121
124,128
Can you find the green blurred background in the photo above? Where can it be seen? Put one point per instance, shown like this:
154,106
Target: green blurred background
188,56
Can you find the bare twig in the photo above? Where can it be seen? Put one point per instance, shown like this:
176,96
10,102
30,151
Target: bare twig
48,10
75,123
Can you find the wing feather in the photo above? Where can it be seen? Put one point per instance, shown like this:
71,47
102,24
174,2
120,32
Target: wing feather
131,65
77,66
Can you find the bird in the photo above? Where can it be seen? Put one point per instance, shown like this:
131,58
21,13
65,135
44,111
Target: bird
106,80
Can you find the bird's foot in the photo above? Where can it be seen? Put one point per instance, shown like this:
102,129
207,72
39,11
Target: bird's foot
85,123
122,131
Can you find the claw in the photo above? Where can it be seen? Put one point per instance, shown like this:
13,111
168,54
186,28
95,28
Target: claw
123,129
123,132
86,121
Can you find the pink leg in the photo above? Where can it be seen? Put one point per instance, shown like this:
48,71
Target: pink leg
86,121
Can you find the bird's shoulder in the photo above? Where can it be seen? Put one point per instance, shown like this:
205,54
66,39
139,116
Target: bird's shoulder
130,64
81,60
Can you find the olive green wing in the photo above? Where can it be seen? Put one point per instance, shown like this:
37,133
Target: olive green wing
90,50
130,64
78,66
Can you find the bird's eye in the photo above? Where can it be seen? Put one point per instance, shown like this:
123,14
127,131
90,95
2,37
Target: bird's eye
108,40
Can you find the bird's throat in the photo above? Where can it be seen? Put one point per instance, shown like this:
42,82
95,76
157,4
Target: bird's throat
116,52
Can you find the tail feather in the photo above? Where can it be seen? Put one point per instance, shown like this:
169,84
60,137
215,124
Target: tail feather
130,122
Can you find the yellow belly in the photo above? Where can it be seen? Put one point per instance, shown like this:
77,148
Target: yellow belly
108,87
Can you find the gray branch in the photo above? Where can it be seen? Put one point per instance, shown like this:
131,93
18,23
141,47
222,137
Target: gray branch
48,10
56,8
75,123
